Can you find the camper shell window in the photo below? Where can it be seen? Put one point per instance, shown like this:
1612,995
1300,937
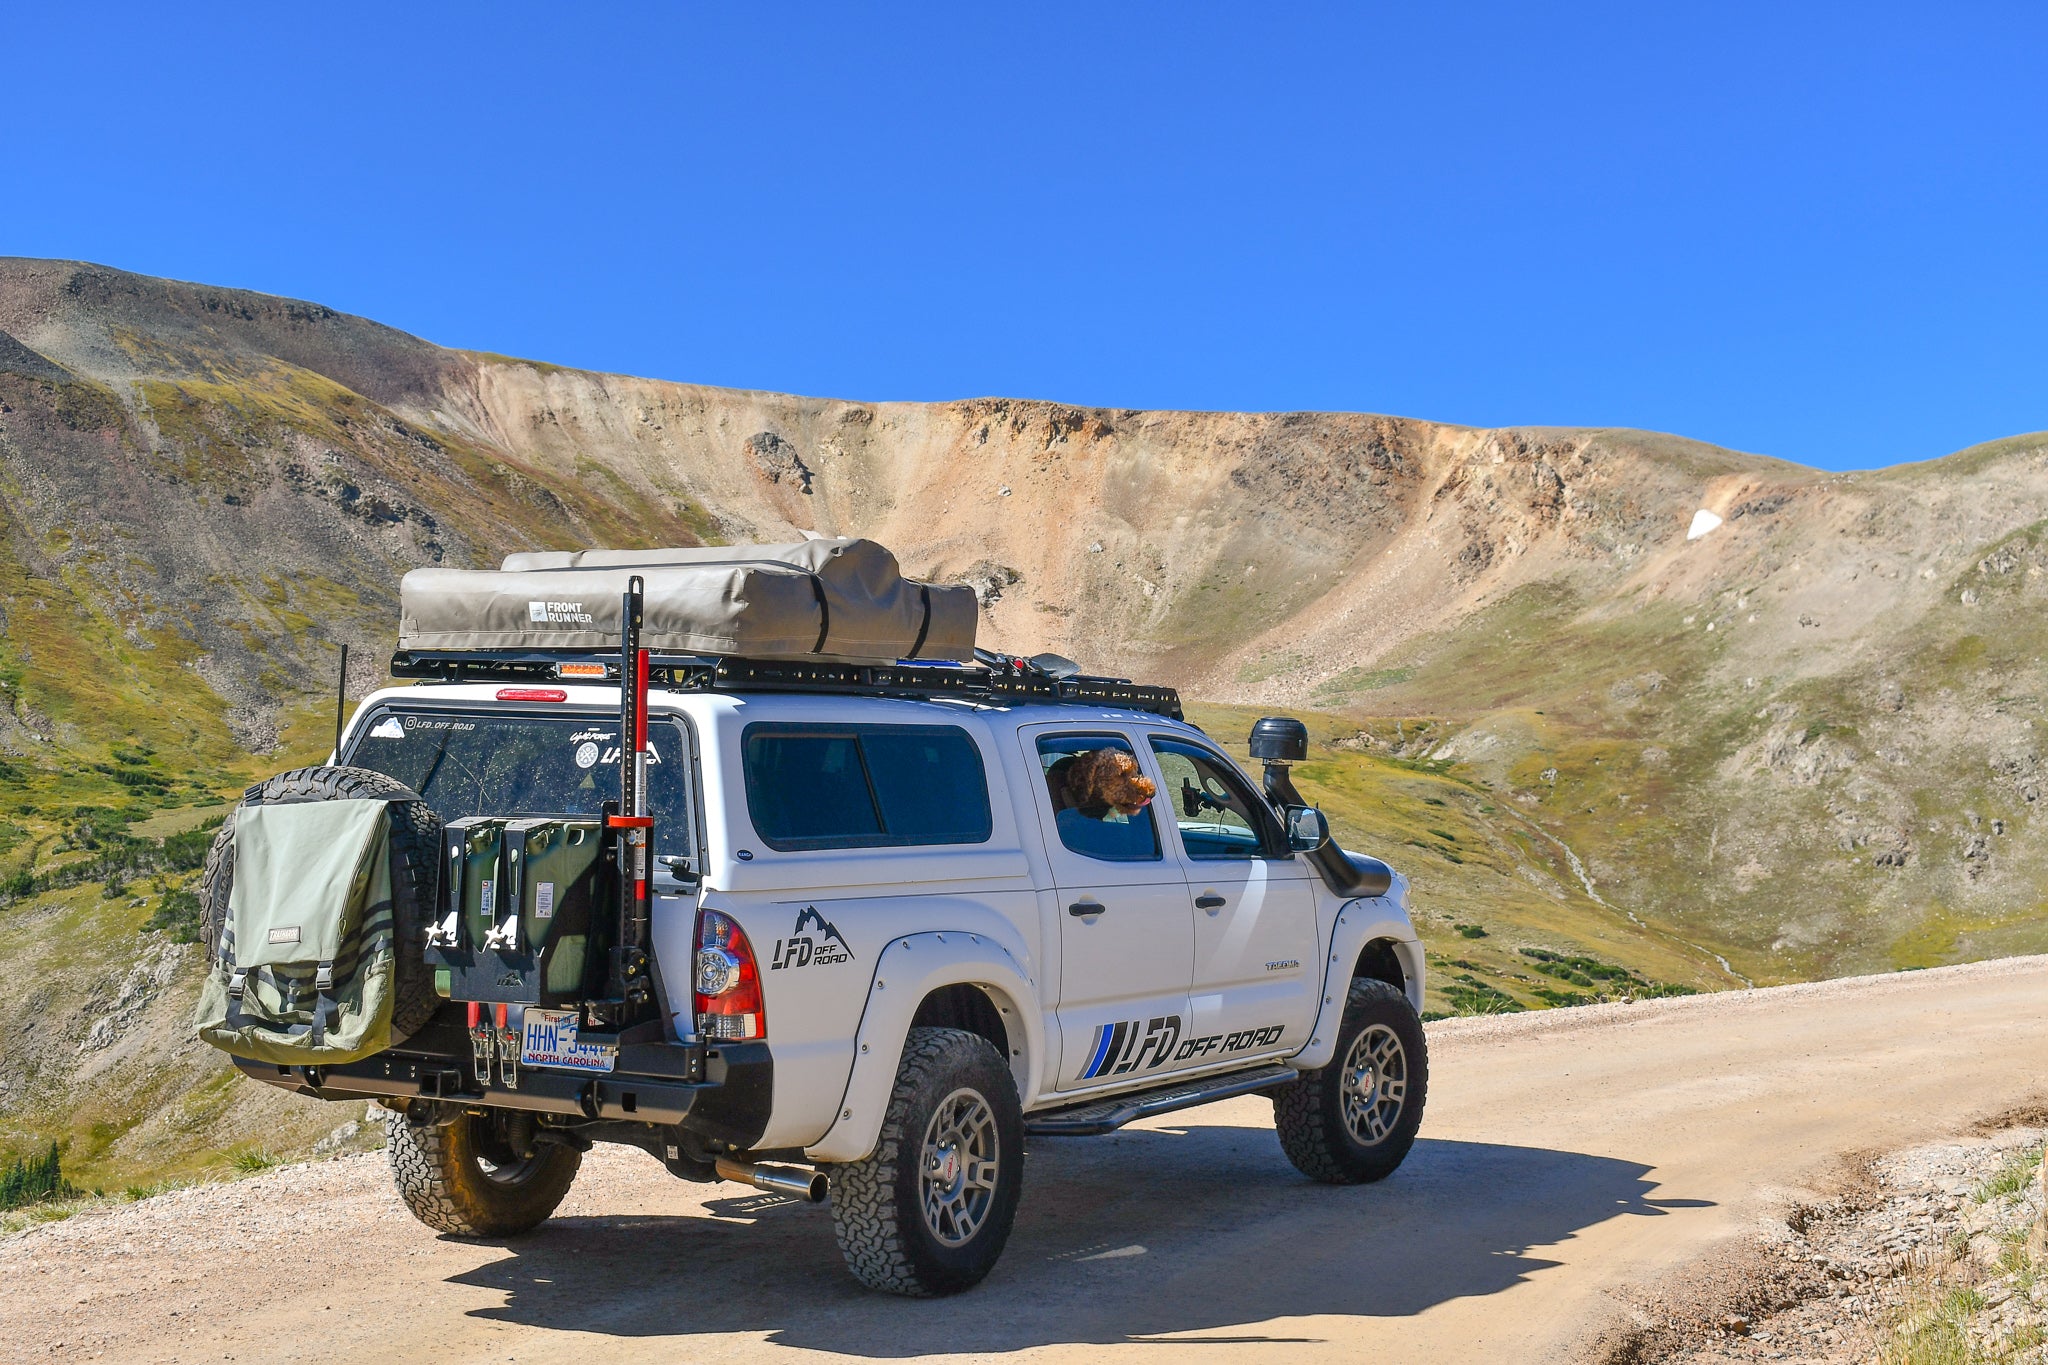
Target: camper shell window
864,786
516,763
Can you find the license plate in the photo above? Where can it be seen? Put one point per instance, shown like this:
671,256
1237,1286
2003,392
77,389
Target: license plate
550,1040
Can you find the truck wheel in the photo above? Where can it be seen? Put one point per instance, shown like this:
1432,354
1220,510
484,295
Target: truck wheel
928,1211
1352,1122
481,1176
416,844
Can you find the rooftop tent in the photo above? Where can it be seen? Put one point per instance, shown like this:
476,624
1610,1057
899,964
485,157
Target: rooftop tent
827,599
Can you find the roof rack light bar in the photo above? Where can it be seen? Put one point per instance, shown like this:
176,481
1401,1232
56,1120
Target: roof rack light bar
1005,680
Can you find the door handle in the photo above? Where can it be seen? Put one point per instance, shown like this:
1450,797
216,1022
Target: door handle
1085,906
1212,901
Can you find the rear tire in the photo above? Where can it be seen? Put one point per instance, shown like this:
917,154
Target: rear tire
929,1210
1353,1121
415,868
468,1179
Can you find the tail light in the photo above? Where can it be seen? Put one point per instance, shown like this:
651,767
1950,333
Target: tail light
728,981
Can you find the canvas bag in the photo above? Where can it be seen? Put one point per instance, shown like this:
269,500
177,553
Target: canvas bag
304,972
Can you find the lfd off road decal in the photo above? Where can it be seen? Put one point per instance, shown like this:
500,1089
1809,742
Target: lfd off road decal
1132,1046
802,950
1129,1046
594,747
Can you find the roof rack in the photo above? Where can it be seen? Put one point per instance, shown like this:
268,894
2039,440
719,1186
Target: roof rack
997,678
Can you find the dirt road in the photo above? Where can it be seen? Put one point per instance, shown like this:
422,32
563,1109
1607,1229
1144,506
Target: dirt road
1567,1158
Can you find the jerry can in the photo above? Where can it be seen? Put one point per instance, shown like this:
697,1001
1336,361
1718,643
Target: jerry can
555,875
472,850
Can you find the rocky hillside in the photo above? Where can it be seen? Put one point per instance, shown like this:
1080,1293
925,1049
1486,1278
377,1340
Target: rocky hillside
1624,745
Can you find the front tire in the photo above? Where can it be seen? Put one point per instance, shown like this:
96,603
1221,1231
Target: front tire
483,1175
929,1210
1353,1121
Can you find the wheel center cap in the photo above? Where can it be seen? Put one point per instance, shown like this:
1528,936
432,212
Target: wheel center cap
946,1166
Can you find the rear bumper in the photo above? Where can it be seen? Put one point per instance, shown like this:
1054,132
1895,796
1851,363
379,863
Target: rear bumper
722,1092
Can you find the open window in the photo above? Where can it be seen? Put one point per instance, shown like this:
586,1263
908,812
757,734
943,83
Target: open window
1219,815
1100,798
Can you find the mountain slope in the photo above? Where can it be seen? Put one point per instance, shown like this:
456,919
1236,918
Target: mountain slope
1800,744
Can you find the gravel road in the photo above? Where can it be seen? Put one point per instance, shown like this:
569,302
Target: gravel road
1571,1163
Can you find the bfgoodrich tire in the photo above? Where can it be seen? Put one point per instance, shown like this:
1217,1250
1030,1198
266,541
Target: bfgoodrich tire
929,1210
416,863
1353,1121
483,1175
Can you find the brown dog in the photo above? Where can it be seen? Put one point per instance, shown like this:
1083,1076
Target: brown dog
1099,780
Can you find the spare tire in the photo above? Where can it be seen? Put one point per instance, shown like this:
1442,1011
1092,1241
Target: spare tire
415,872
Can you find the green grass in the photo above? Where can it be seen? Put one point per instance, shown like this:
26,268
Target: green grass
1483,877
2009,1179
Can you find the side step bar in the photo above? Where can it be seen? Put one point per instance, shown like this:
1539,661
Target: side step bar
1106,1116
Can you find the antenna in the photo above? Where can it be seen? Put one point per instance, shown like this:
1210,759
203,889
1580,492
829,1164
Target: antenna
340,700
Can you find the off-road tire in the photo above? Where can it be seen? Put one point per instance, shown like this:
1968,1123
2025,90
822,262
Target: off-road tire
1309,1113
877,1213
416,841
441,1177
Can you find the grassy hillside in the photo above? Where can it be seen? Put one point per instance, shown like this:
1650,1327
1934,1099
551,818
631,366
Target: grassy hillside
1614,760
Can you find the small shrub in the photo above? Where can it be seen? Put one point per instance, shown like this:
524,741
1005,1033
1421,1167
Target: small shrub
256,1159
1469,930
34,1180
2010,1178
177,914
1561,998
1469,995
187,852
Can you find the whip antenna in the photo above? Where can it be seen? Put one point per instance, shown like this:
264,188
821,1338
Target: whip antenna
340,700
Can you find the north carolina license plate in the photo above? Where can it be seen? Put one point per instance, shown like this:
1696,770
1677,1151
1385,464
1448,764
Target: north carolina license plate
550,1040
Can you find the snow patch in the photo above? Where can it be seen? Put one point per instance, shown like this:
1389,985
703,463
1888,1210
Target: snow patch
1703,521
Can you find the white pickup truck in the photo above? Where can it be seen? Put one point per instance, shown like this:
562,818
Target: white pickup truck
892,937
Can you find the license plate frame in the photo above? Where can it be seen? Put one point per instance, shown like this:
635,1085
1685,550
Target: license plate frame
548,1038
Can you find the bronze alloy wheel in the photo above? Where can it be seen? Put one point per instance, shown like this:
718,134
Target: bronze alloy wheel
957,1175
1375,1084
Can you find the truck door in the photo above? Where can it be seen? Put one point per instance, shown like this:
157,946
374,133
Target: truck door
1126,941
1251,905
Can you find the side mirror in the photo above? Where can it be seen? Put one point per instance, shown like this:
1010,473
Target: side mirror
1307,829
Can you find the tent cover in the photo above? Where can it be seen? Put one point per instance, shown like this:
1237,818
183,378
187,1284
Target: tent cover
842,600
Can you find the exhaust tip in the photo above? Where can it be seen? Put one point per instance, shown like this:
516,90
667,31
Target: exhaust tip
809,1186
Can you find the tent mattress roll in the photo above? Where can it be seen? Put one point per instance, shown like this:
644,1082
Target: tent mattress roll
826,599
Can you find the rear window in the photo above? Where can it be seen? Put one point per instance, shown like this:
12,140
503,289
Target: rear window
519,764
864,786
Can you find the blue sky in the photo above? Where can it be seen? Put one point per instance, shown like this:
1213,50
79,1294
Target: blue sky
1813,232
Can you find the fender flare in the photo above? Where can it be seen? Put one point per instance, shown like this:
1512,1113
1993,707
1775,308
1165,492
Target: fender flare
1358,923
906,971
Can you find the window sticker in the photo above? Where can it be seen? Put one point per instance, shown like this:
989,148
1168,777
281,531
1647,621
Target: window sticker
544,900
388,728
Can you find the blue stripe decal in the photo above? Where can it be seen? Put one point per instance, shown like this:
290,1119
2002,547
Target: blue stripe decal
1102,1032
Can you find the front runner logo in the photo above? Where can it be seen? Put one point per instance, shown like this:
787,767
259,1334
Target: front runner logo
558,613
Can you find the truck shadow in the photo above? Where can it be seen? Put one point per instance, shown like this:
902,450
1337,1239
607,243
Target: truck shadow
1118,1239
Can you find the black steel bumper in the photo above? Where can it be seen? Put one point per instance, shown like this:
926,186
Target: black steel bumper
723,1091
